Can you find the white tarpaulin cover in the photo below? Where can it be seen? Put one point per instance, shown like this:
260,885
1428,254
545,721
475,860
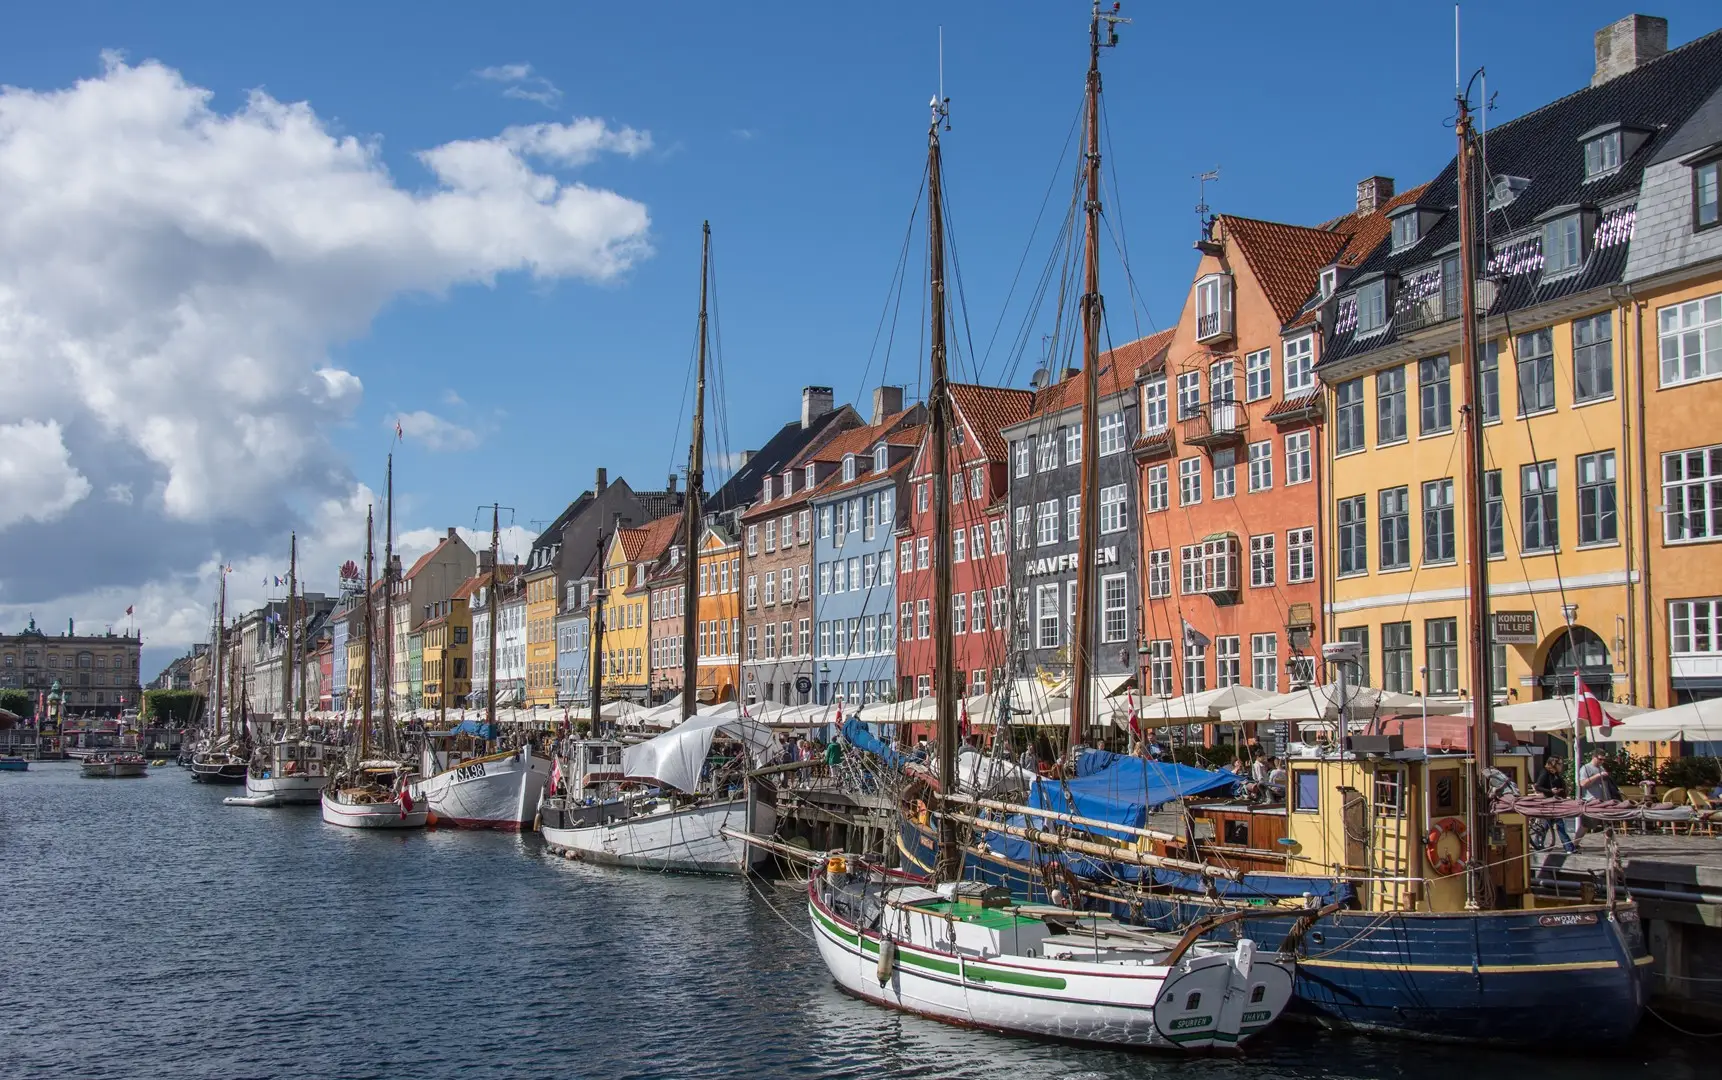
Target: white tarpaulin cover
676,757
977,772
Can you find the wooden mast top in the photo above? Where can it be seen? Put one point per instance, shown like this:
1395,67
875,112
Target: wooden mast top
938,450
696,481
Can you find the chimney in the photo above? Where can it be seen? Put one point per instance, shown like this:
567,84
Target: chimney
887,401
452,535
602,482
1373,193
670,485
1630,43
816,401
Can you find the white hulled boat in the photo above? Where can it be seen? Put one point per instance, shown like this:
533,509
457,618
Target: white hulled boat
288,766
498,790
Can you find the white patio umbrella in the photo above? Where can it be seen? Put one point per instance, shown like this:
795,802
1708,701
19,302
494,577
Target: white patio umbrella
1697,721
1197,708
1321,702
1553,714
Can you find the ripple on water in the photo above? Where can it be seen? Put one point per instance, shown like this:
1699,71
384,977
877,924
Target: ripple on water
154,932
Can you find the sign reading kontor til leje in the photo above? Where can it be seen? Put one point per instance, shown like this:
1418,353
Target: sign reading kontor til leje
1515,627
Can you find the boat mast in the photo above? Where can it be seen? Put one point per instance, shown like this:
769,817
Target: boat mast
370,629
1088,502
490,600
304,697
220,658
1479,888
938,449
287,657
595,634
389,607
696,479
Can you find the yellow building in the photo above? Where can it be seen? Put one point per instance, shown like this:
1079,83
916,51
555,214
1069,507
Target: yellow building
541,594
718,635
623,661
448,650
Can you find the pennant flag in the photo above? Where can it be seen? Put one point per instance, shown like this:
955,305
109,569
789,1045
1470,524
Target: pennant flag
1590,712
398,433
1193,636
128,609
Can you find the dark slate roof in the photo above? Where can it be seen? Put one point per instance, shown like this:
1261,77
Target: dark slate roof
745,484
1544,147
1702,131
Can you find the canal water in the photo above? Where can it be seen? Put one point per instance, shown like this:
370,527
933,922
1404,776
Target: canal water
146,930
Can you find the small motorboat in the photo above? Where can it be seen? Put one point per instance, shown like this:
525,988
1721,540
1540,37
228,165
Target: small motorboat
10,763
107,766
252,800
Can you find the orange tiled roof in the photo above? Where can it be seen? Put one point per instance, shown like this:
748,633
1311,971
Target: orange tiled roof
649,540
1286,259
987,409
1118,369
1367,231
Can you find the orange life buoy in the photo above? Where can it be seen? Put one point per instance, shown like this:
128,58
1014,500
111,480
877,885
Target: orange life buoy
1446,865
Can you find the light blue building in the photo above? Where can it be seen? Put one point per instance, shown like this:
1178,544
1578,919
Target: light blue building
573,637
338,659
858,511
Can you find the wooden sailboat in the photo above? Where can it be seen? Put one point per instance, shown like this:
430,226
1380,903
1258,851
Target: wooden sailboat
1430,927
693,822
501,784
965,952
223,759
370,789
289,766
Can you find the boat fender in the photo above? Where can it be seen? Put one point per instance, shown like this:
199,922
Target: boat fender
887,960
1245,957
1446,865
537,822
836,865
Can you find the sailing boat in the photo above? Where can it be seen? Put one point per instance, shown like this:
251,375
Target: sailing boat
695,825
223,759
501,786
963,951
289,767
1427,927
368,792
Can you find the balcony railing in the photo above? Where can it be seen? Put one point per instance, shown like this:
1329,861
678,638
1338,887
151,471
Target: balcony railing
1421,313
1215,424
1213,326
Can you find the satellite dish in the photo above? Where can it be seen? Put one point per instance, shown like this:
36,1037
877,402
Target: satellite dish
1040,378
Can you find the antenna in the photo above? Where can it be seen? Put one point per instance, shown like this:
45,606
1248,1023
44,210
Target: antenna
1111,19
1455,49
941,105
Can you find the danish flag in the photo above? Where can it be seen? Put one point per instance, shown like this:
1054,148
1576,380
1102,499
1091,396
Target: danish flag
1135,722
1590,711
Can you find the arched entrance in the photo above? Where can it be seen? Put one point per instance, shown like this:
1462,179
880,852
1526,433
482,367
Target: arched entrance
1578,649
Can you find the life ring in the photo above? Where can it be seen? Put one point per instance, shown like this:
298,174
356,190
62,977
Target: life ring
1446,865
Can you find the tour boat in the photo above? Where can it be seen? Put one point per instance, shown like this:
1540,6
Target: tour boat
491,791
965,953
585,786
218,767
114,766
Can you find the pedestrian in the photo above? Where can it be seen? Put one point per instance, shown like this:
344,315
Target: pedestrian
1593,784
1552,784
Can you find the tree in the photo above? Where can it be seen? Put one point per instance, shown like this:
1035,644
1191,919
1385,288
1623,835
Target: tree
171,708
21,702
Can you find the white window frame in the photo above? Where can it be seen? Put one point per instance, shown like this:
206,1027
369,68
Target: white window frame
1262,561
1696,492
1159,573
1261,465
1046,522
1159,487
1154,413
1114,504
1225,473
1299,364
1689,340
1189,481
1114,608
1112,440
1265,662
1259,375
1048,616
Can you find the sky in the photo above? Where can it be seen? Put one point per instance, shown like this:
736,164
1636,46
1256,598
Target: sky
239,245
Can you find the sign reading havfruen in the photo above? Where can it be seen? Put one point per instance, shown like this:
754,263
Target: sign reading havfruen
1515,627
1066,563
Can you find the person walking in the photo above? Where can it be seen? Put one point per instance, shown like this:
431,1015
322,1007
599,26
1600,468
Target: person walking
1592,787
1552,784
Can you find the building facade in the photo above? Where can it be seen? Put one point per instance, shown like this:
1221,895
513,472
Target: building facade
97,673
432,579
625,604
573,645
717,634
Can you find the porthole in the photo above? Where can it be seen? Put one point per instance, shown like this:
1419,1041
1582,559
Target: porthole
1258,994
1194,1001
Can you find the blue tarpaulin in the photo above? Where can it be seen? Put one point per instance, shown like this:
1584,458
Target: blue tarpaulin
471,727
1125,789
855,733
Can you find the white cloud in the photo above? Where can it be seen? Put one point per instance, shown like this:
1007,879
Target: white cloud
433,431
449,397
37,479
520,81
172,280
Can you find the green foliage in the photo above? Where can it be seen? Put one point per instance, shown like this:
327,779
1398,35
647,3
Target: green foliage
582,728
171,708
21,702
1626,768
1703,773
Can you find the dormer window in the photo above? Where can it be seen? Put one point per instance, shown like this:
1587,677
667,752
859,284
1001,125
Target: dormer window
881,458
789,483
1329,281
1704,194
1214,307
811,475
765,491
1406,228
1563,242
1372,307
1608,147
1504,189
848,467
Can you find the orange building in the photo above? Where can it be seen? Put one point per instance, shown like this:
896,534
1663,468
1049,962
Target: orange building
718,635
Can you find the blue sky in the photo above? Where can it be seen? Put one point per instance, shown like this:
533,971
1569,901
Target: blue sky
799,130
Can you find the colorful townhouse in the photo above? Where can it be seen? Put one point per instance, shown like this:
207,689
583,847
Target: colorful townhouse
856,513
431,579
573,645
717,635
624,604
1042,512
668,583
1558,198
448,649
1671,343
977,459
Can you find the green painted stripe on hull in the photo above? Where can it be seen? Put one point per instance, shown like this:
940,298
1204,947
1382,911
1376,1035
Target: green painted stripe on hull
973,969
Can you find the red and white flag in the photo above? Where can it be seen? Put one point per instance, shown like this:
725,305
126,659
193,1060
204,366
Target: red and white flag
406,800
1590,712
1135,721
963,719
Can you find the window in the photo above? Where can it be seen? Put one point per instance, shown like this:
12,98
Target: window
1072,515
1405,228
1695,627
1299,364
998,598
997,528
1690,337
1160,572
1395,528
869,572
1225,662
1213,306
1261,561
1692,494
1536,371
1371,308
958,487
1434,395
1073,444
959,544
1348,416
1390,406
1541,510
977,483
1438,546
1297,459
1494,511
752,593
1225,473
1441,654
905,557
1261,466
959,614
1154,405
1490,380
1328,282
921,497
1602,155
1300,555
1046,453
1396,657
770,536
1563,245
825,522
1019,457
1189,481
1160,667
1114,616
1704,195
1022,527
770,642
1265,662
1598,523
1190,569
855,575
770,589
978,542
1112,508
1353,537
978,611
1195,666
803,526
1593,358
753,539
1357,674
1220,564
848,467
1159,493
922,545
887,633
1189,394
1111,434
1047,615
